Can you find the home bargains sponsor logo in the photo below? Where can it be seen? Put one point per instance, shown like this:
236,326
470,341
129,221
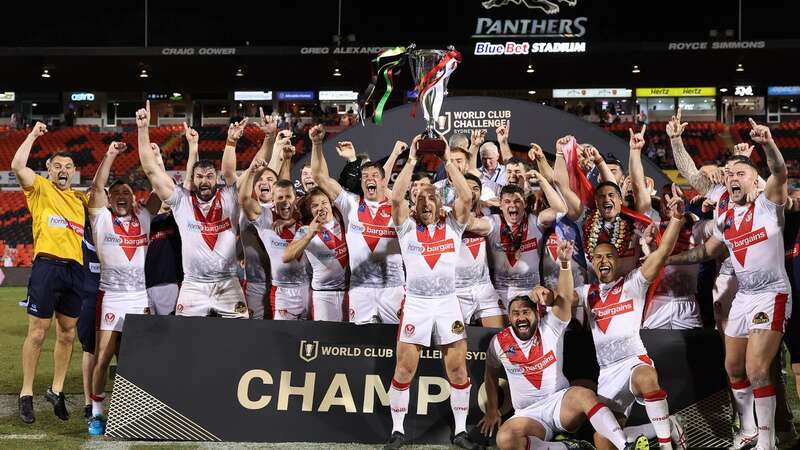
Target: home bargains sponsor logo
473,244
211,228
60,222
377,231
126,241
607,312
749,239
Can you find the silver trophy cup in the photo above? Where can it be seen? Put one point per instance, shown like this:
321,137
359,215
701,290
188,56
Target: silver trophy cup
422,62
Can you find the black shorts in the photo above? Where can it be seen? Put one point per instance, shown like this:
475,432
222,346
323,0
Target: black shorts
55,286
86,322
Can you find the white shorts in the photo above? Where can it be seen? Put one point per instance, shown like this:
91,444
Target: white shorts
614,384
667,313
725,287
375,305
329,306
224,298
431,321
546,411
507,293
762,311
256,294
289,303
162,298
113,306
479,301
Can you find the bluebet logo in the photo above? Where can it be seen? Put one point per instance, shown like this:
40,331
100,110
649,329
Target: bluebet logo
525,48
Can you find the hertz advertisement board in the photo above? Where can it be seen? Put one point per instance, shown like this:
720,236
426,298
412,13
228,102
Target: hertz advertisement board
213,379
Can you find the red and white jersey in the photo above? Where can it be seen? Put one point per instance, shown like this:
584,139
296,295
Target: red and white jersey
615,316
473,266
372,244
292,274
534,368
430,254
514,252
121,244
327,253
679,283
719,194
753,234
208,233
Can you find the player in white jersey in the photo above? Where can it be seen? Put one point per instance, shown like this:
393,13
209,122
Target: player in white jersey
674,305
615,306
256,261
751,231
476,294
516,236
208,219
289,292
429,241
530,352
376,267
447,191
323,243
121,236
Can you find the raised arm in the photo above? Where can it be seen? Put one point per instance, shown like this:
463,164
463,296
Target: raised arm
97,191
319,166
658,258
162,184
477,137
403,184
561,181
775,190
388,166
298,245
19,164
463,200
502,140
554,199
270,128
250,207
194,141
285,172
641,195
594,155
235,132
683,161
565,290
536,154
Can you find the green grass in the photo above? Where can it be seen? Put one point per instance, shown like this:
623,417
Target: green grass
13,328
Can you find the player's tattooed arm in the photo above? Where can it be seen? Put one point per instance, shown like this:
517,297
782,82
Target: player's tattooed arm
250,207
776,189
228,166
712,248
319,166
402,184
492,419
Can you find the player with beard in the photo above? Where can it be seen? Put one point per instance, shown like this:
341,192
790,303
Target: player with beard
516,236
277,227
376,267
323,243
474,289
615,307
752,231
207,218
431,315
121,231
56,284
530,352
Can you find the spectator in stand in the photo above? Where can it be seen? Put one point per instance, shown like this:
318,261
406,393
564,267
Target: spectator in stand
8,257
57,277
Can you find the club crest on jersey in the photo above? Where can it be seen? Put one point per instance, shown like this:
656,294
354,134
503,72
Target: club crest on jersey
384,214
362,207
457,327
326,236
110,317
723,204
728,224
616,290
179,308
240,308
511,350
408,330
760,317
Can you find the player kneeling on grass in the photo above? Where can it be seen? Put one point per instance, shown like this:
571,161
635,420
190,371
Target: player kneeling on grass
431,314
615,306
121,236
530,352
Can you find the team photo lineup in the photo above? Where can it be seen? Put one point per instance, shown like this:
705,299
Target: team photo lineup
531,246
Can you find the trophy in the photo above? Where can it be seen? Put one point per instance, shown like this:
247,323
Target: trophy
431,70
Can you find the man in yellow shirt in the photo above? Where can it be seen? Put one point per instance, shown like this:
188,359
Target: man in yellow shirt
57,277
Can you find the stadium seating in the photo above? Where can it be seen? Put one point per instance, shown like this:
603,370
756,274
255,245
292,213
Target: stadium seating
15,226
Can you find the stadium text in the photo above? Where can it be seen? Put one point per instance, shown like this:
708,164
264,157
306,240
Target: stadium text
524,48
253,394
734,45
202,51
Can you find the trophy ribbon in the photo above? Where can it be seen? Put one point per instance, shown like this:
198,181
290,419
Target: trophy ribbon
430,81
386,70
